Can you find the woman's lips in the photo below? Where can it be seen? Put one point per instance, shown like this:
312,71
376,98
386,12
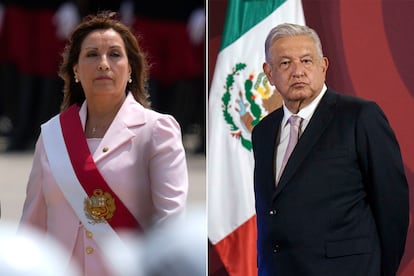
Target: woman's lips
103,78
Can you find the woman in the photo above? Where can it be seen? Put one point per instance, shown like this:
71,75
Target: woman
107,162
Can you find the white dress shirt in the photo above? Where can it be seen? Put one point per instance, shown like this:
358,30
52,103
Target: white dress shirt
306,114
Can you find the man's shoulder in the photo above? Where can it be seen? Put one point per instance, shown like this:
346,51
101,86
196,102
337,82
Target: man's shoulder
269,120
347,98
352,104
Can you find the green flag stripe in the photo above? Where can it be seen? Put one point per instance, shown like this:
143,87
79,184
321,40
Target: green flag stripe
242,15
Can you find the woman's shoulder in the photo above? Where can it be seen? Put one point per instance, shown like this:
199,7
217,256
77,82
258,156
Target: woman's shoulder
154,117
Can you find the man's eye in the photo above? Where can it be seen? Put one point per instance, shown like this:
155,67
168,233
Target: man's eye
284,63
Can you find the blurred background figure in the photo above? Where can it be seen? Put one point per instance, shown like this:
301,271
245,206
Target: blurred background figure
176,249
30,88
174,38
28,253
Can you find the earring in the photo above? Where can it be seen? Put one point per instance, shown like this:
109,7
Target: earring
76,79
130,80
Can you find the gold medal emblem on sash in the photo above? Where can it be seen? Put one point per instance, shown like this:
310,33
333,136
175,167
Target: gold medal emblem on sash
100,207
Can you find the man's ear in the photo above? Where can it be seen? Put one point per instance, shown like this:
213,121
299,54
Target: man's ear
325,64
267,69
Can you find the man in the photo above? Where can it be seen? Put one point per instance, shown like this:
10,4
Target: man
340,204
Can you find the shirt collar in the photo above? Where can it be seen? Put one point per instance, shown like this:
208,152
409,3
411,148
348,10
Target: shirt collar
306,112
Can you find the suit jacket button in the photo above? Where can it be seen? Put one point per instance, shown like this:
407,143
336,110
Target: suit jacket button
89,234
272,212
89,250
276,248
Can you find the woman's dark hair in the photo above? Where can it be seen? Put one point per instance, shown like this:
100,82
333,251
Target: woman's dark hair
72,91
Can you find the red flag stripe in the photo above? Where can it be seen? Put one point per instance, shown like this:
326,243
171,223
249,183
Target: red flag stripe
238,250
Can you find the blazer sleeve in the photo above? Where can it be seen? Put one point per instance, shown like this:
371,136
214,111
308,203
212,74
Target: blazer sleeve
34,208
387,188
168,170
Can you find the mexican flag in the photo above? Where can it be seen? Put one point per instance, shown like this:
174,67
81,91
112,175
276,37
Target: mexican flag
240,96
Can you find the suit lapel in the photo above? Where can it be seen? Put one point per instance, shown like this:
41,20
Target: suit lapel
317,125
130,114
273,131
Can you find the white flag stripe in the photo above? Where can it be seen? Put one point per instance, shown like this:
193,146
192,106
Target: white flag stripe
230,165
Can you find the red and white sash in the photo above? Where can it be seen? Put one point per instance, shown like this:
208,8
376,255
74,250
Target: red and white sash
78,177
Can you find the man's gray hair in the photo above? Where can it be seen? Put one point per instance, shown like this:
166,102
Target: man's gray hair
288,30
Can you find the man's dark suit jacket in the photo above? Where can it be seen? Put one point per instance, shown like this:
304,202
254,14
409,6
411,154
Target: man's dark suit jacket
341,206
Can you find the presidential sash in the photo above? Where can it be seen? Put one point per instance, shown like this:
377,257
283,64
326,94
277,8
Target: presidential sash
96,205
